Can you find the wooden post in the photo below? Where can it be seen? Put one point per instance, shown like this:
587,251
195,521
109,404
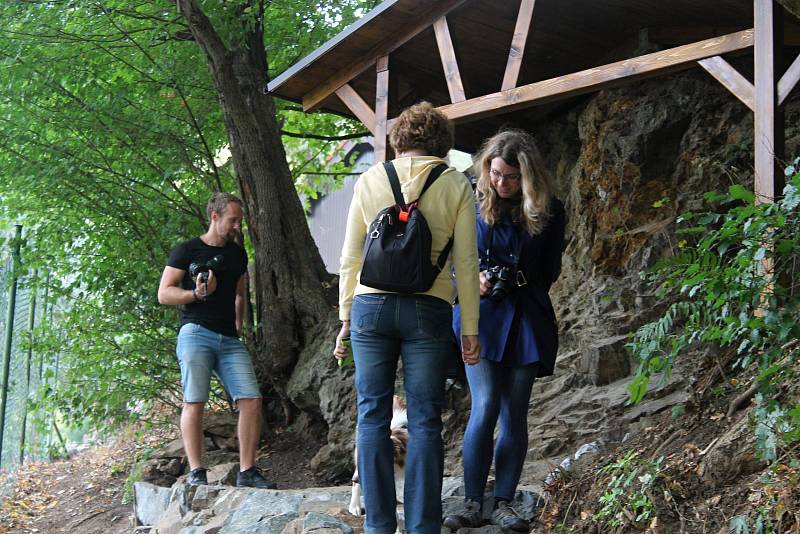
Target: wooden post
381,108
768,120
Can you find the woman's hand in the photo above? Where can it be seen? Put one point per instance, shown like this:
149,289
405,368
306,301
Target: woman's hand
486,287
339,349
470,349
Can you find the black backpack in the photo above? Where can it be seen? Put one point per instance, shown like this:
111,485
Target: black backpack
397,249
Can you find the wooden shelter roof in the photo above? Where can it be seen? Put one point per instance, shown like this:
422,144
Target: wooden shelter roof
511,61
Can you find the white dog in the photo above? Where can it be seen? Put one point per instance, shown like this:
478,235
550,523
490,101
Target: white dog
399,435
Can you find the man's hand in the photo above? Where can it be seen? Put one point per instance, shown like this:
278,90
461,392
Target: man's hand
205,289
470,349
339,349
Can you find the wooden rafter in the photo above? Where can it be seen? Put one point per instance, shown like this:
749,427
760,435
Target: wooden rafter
314,98
731,79
517,49
449,62
597,78
381,108
357,105
789,80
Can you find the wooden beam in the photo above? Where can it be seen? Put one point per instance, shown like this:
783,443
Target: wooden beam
449,62
314,98
517,49
789,80
597,78
679,35
381,109
731,79
768,121
357,105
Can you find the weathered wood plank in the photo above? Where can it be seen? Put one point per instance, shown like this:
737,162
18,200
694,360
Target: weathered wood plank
768,121
449,62
597,78
517,49
314,98
381,109
357,105
789,80
731,79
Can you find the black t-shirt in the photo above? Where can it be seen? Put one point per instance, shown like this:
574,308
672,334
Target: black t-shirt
218,312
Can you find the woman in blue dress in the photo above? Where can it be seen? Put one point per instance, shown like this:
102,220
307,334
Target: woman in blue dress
520,231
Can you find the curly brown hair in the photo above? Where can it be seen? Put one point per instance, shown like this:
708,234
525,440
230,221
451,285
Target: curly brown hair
422,126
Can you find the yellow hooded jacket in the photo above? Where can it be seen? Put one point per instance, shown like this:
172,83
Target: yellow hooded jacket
449,208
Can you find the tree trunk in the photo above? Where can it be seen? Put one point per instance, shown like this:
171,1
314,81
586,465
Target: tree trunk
292,287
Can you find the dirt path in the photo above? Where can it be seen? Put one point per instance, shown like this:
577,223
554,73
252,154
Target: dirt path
84,494
90,492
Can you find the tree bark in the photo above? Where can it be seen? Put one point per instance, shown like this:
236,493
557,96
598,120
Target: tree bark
293,291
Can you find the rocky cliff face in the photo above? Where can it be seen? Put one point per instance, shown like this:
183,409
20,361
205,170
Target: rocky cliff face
627,161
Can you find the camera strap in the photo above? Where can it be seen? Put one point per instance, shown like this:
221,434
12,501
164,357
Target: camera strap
519,276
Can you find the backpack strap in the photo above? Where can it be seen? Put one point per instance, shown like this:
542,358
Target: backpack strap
394,180
391,172
440,262
434,174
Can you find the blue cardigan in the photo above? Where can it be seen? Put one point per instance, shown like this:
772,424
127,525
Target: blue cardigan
521,329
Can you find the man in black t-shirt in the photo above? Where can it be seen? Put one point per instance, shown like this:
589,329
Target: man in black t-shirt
207,276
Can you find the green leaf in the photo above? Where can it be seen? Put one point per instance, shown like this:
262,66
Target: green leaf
740,193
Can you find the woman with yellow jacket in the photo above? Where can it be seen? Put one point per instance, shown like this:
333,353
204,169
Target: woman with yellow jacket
384,325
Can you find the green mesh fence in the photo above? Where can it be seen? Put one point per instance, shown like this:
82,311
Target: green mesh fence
24,379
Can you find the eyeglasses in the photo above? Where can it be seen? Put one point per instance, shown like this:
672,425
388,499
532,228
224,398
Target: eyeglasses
511,177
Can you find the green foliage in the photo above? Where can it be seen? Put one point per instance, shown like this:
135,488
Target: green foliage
111,140
628,495
720,293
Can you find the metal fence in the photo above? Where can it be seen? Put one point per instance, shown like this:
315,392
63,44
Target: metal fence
24,307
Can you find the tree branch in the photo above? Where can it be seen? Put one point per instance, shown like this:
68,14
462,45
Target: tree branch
202,30
356,135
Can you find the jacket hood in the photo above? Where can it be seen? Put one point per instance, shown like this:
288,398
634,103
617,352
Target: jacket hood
413,171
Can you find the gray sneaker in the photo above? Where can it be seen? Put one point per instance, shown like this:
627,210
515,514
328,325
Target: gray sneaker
471,517
252,478
506,518
197,477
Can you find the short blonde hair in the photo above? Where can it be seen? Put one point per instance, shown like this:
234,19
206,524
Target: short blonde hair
219,201
422,126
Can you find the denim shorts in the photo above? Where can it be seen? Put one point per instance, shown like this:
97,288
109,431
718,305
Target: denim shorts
201,351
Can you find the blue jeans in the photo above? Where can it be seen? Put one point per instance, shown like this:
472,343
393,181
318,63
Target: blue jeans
201,351
504,391
383,327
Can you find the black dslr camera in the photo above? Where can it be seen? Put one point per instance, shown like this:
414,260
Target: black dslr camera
502,282
214,264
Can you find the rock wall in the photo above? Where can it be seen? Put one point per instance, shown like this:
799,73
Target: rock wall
627,161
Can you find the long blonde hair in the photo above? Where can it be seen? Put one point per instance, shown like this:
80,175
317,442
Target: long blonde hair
518,149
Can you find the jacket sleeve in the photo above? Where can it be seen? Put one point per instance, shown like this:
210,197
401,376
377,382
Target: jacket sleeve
554,244
352,252
465,260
